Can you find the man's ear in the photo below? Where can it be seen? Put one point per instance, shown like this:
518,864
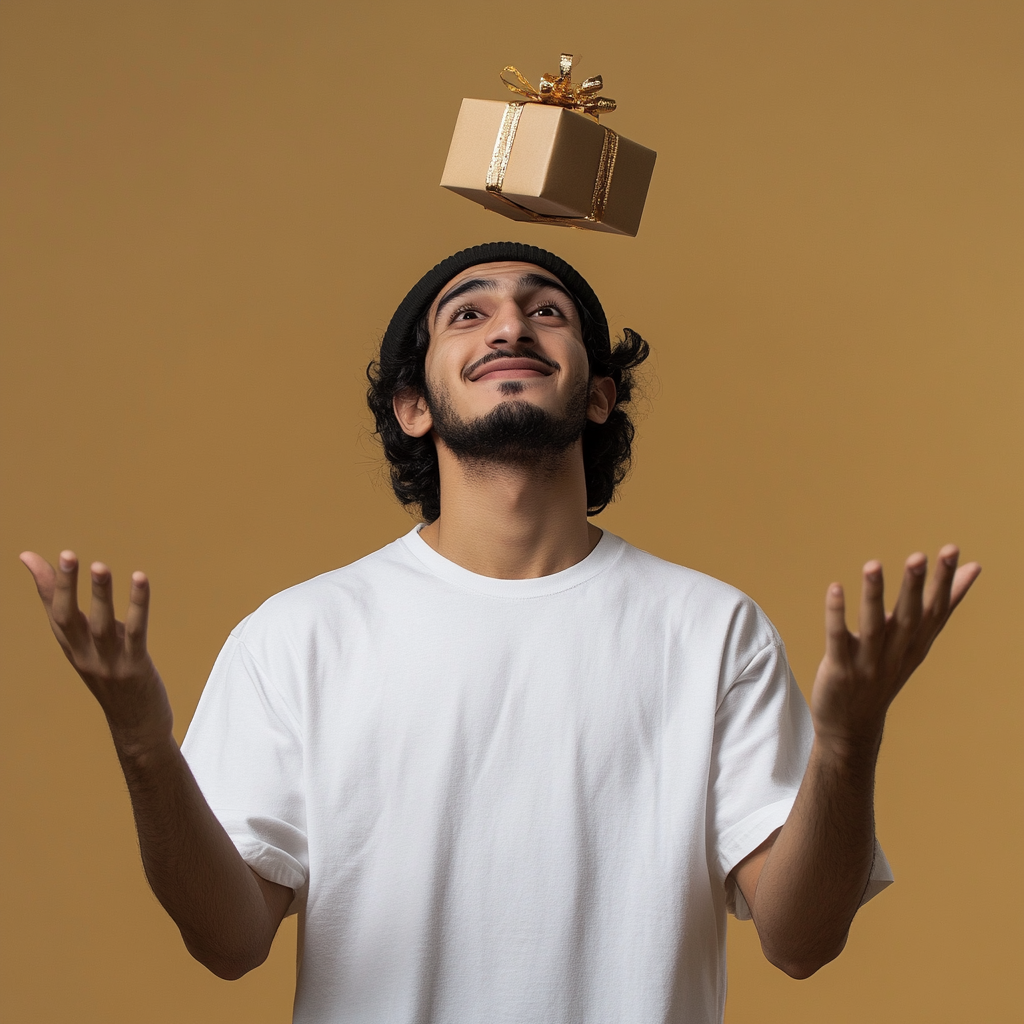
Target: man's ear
602,399
412,413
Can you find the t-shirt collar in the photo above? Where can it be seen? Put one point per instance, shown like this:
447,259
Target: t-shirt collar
605,553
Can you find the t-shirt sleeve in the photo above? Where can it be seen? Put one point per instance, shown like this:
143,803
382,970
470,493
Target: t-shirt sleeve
245,750
763,737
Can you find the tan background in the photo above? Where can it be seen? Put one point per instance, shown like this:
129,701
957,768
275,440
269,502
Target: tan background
211,210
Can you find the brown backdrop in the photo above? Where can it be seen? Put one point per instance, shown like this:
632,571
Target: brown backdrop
211,209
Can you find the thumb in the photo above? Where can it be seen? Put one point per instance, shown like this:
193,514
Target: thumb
837,637
42,572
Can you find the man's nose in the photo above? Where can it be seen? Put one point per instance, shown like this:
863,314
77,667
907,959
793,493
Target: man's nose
510,325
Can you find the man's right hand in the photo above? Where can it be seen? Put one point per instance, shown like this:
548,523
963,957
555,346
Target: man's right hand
227,913
109,655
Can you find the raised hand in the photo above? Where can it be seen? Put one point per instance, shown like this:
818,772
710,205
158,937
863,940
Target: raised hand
861,673
227,914
109,655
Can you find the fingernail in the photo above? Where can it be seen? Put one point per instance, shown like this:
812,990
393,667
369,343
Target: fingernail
66,564
919,570
951,561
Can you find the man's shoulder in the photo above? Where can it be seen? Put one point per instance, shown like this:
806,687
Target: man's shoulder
693,599
675,578
321,598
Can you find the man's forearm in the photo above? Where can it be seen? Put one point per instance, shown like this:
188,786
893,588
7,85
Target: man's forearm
804,892
814,877
193,867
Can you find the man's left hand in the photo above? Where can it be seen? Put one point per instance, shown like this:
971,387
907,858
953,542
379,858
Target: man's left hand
861,673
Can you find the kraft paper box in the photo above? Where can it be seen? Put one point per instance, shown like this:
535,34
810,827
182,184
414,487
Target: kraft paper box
548,164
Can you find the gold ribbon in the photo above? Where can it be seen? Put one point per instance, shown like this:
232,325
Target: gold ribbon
562,93
559,91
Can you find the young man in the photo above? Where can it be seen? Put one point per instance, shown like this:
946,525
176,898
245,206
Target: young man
508,768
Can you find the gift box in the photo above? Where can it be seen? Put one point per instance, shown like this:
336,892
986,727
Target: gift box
548,159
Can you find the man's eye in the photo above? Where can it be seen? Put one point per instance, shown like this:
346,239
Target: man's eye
467,313
551,310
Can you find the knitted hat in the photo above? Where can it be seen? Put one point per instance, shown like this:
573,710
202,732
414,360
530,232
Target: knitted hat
401,332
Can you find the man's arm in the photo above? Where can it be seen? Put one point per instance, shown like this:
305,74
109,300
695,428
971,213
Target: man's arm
805,883
227,914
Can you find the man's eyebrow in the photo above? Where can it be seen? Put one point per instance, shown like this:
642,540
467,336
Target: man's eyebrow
543,281
472,285
526,281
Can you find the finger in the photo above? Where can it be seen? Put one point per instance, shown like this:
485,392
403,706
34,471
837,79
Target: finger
962,582
909,605
101,611
937,594
918,648
837,637
136,622
42,573
66,613
872,611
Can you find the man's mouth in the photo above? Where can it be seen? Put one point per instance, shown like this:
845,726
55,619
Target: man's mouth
500,367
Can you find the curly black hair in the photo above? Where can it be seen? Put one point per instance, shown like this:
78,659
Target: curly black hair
415,478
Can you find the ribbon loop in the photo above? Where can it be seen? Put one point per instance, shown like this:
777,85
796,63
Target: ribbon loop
559,90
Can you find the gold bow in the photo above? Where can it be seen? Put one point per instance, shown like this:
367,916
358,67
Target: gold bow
560,91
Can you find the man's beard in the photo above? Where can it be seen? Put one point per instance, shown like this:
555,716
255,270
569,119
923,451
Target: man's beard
514,433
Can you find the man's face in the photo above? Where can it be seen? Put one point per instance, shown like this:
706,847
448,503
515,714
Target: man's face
506,357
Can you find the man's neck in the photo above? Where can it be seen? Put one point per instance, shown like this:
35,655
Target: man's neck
512,522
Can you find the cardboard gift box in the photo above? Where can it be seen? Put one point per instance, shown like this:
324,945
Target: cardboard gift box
546,162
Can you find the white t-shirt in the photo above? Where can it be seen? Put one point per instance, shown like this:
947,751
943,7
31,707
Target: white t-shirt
504,801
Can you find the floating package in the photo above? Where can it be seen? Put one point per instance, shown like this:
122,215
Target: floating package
548,159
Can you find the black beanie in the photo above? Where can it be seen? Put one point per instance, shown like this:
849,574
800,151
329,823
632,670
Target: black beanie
401,332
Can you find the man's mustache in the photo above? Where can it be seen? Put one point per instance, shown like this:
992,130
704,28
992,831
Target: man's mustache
504,354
